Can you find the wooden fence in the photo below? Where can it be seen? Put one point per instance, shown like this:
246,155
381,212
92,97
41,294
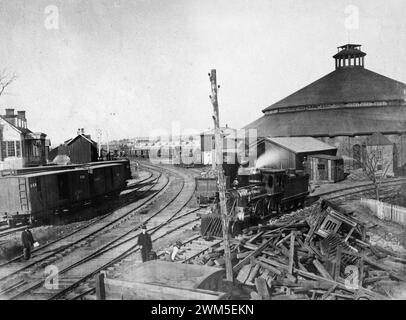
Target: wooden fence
386,211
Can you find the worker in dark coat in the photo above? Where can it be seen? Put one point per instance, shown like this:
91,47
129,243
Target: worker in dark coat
144,240
28,241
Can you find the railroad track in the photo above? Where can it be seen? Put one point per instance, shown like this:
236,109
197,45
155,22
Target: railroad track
352,190
66,237
197,246
120,248
62,246
112,245
131,188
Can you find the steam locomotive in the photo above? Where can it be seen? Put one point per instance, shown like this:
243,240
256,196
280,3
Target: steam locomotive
255,195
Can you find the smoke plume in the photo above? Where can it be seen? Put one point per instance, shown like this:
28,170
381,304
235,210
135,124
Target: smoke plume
270,158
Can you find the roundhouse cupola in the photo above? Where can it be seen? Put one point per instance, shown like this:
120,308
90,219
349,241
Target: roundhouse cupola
349,55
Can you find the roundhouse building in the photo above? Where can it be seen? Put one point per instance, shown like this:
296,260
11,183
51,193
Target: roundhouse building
342,109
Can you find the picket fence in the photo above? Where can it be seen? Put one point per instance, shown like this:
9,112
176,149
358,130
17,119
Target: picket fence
386,211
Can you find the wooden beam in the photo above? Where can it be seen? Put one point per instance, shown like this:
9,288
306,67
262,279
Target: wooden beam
329,291
262,288
291,252
100,288
270,268
320,268
337,263
225,216
253,254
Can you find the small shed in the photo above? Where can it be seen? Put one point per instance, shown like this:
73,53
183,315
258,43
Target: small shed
289,152
163,280
324,168
379,147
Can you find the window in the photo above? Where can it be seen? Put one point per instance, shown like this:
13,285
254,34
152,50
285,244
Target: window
11,151
379,155
270,182
321,166
18,148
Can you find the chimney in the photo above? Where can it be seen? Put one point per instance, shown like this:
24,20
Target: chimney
9,112
82,131
21,115
79,132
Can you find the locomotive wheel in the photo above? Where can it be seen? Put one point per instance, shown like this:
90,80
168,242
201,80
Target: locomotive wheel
270,207
259,209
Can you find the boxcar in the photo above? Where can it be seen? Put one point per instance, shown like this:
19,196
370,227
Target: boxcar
35,195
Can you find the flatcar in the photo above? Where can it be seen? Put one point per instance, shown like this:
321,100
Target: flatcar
31,196
256,195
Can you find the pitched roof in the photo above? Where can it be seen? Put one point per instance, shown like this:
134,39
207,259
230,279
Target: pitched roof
377,139
21,130
86,137
352,84
301,144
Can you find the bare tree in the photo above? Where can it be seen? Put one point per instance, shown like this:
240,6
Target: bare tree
6,79
374,166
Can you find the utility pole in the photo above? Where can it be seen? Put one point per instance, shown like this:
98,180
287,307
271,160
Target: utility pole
99,141
220,176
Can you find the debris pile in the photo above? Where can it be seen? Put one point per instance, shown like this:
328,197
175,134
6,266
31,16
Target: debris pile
320,252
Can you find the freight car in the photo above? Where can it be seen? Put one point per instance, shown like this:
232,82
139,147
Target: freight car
258,194
31,196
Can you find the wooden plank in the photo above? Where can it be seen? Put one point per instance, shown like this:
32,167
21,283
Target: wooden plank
244,273
269,268
244,261
100,287
255,237
341,285
337,263
361,272
376,264
253,273
329,291
291,252
273,263
320,268
262,288
283,240
242,255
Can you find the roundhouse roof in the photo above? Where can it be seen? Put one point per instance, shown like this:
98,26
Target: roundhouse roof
343,85
333,122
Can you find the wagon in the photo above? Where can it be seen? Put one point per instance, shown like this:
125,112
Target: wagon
206,190
162,280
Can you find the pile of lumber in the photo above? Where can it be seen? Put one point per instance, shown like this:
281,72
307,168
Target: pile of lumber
286,259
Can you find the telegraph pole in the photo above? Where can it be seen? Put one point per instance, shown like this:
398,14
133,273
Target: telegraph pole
220,175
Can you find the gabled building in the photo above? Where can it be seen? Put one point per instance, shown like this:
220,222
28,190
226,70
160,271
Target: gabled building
342,108
20,147
379,147
289,152
80,149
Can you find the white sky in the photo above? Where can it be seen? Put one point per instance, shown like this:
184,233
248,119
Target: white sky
147,62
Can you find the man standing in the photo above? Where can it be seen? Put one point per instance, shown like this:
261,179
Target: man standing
144,240
28,241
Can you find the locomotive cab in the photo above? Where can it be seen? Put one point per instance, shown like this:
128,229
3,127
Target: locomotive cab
274,180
